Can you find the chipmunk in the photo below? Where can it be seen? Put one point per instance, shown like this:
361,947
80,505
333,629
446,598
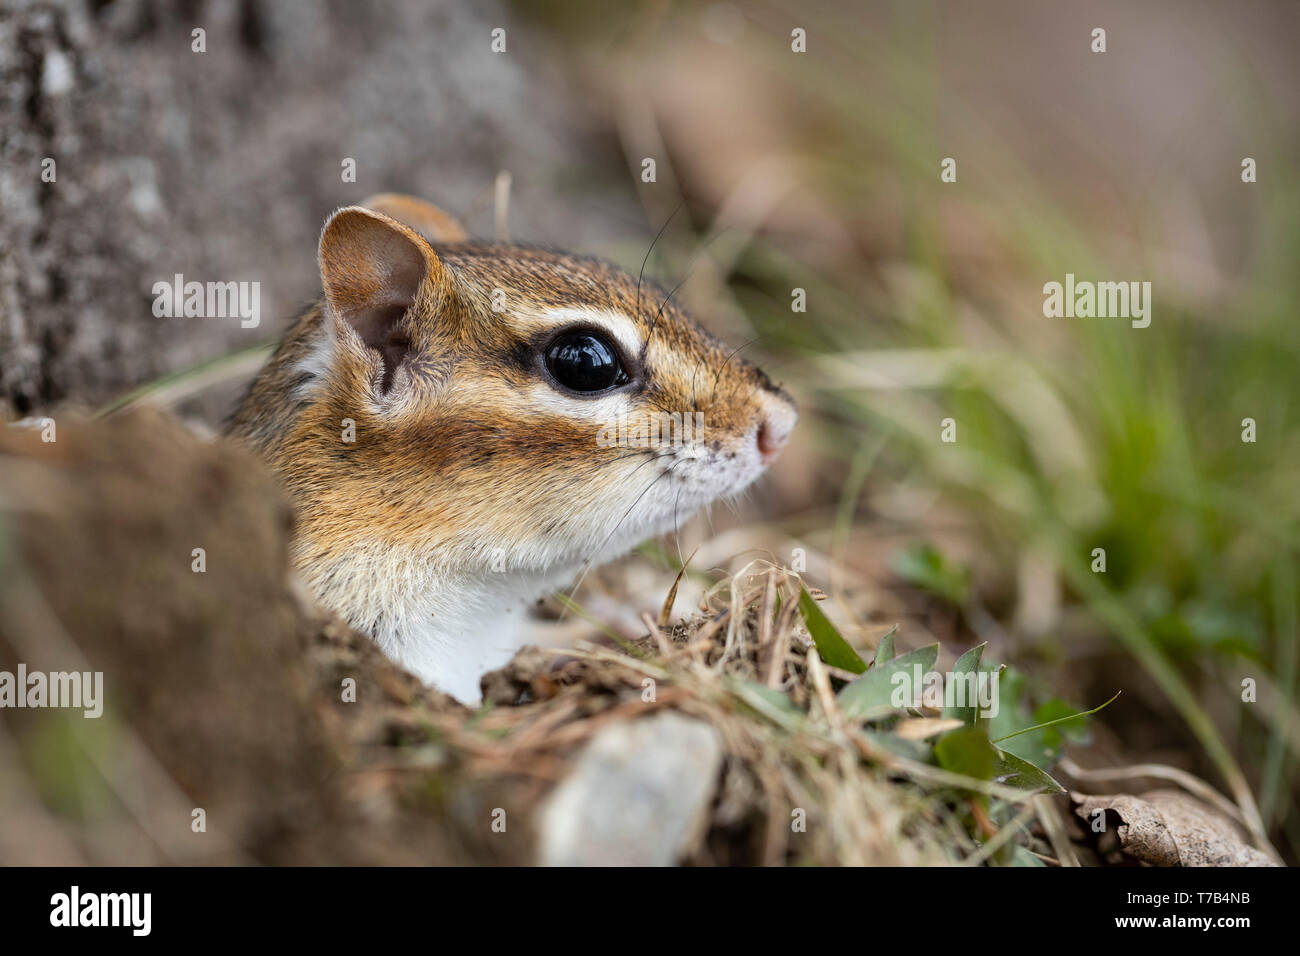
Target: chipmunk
442,422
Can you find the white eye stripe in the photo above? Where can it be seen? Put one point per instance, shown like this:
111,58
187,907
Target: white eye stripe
620,328
598,411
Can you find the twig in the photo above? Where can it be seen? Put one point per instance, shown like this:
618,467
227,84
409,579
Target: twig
657,632
822,683
1054,827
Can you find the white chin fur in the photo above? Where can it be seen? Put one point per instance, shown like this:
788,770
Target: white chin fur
453,662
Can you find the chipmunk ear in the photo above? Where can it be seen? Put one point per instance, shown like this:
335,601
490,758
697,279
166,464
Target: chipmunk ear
373,270
422,216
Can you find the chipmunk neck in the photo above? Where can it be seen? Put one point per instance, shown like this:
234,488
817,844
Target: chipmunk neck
446,626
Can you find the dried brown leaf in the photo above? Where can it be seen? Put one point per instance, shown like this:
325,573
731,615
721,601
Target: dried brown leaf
1170,828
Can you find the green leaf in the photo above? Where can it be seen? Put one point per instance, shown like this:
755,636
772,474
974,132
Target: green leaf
967,751
772,704
1011,712
1014,723
968,663
834,650
1012,771
1045,734
1070,717
885,647
871,696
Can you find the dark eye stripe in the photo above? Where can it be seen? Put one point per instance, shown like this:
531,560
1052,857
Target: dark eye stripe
584,361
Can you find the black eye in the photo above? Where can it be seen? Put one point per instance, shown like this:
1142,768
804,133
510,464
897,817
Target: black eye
584,362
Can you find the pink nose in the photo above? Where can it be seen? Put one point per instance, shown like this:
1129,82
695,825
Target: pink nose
779,417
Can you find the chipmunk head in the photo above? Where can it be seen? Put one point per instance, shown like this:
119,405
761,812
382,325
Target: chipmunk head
464,426
512,407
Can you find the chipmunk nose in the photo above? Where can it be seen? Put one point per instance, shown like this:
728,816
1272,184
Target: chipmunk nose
774,430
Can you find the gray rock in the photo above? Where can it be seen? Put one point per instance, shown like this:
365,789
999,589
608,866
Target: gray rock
638,795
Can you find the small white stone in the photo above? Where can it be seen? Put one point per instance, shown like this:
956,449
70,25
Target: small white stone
57,76
637,796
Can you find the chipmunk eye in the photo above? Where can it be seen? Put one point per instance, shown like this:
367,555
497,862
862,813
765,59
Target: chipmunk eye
584,362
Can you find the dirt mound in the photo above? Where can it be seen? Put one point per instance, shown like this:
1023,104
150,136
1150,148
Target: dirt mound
222,691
